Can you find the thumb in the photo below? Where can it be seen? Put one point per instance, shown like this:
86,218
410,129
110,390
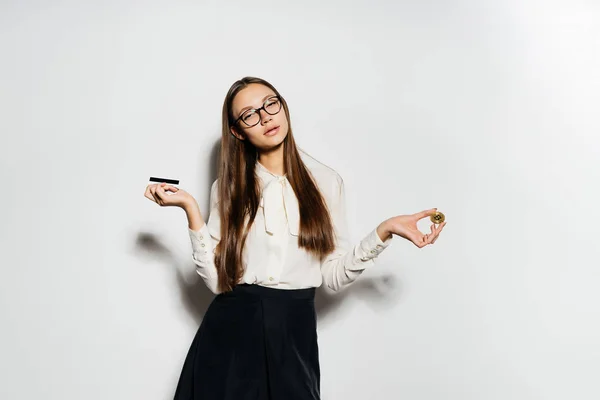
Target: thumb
426,213
170,188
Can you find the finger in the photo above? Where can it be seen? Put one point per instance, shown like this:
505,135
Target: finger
147,193
431,236
153,192
425,235
149,197
425,213
435,234
438,232
440,227
428,239
160,193
416,238
418,242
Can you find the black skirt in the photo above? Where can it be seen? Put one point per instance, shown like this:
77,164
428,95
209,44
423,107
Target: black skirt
254,343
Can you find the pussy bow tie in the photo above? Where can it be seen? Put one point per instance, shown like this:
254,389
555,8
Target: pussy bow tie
273,192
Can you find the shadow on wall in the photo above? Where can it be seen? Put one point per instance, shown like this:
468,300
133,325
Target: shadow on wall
378,292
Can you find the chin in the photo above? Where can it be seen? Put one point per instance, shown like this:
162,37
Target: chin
273,141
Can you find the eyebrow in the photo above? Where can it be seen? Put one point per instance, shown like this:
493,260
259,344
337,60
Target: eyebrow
250,107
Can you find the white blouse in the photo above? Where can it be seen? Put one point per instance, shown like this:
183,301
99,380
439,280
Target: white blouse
271,253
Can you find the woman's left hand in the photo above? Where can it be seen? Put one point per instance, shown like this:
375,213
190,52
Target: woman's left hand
406,227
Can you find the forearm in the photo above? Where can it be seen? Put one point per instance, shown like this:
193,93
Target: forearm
194,217
346,263
202,247
383,231
204,257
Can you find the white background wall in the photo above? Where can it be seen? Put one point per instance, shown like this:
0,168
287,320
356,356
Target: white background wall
487,110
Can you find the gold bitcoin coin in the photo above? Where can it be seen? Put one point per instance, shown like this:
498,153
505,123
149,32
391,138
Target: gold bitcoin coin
437,218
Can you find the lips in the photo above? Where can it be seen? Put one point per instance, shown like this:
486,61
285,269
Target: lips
271,130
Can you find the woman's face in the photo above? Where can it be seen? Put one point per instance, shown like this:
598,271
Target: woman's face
254,96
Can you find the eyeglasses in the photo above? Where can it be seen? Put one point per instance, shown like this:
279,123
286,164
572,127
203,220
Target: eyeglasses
252,117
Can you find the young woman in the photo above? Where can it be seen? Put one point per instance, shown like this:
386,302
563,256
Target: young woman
276,230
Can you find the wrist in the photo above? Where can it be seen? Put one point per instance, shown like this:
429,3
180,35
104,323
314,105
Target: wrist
190,206
383,231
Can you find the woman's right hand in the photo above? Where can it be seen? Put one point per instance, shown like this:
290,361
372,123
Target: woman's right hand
157,192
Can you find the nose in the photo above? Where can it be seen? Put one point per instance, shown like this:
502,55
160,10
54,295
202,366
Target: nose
264,116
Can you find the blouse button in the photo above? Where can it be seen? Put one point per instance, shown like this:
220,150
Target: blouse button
271,278
201,237
373,251
202,244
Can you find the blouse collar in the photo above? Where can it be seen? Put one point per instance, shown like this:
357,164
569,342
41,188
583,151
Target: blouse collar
275,188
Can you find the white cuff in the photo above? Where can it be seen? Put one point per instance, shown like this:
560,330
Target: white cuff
371,246
201,242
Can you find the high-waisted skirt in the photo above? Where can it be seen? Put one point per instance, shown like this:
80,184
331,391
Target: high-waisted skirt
254,343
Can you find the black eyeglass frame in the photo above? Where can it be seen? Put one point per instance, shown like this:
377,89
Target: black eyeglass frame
257,110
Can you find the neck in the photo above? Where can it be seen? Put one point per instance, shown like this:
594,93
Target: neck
273,160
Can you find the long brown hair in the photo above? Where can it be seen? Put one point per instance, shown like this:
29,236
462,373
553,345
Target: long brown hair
239,195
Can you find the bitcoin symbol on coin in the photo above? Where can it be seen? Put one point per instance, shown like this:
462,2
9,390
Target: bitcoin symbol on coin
437,218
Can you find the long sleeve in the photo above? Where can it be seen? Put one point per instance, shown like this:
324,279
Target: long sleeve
204,242
347,261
